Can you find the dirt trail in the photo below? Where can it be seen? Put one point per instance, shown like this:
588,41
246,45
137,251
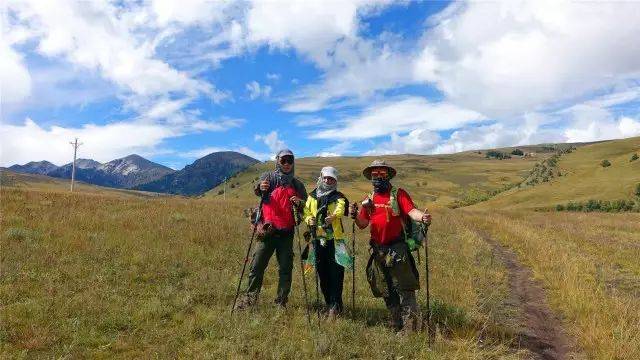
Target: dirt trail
540,330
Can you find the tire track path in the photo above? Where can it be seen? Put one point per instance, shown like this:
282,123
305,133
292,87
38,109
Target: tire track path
539,329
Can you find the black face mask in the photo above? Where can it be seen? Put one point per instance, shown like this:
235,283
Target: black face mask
381,185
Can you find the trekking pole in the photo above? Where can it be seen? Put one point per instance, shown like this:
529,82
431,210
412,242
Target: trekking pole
315,266
246,257
304,280
425,229
353,266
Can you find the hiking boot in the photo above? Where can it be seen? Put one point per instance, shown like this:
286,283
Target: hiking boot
247,301
396,318
333,313
411,323
281,303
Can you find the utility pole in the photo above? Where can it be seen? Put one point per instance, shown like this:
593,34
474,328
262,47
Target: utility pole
75,145
225,189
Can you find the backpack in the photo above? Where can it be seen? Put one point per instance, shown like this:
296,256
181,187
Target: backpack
413,231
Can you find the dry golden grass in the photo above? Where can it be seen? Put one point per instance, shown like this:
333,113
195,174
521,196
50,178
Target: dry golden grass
110,273
90,275
583,178
433,180
588,264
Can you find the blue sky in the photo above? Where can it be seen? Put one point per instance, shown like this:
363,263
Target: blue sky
174,81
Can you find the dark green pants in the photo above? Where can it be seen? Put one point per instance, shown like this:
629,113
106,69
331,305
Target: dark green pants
282,243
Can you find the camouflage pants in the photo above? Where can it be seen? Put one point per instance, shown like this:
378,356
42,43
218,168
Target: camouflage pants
392,275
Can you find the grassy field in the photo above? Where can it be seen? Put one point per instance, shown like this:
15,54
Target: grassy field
588,263
85,275
108,273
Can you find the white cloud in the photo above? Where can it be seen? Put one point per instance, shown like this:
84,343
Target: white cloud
400,115
338,149
528,129
272,141
15,80
273,76
94,35
361,68
30,142
308,120
593,123
311,27
531,55
256,90
328,154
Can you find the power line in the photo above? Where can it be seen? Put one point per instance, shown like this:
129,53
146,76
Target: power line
75,145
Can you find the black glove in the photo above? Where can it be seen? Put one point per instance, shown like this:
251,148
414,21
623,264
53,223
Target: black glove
353,210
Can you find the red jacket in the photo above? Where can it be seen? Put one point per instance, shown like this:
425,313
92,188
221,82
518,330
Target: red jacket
276,209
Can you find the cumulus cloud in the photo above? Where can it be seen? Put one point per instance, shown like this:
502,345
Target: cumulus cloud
15,80
592,123
272,141
273,76
256,90
400,115
30,142
531,55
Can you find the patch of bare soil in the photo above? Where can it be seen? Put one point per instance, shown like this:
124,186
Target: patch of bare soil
539,329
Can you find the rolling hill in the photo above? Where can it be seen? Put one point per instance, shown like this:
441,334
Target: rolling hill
583,178
470,177
431,179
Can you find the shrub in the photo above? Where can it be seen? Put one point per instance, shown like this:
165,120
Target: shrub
592,205
637,192
178,217
605,163
22,234
517,152
559,207
232,186
634,157
220,192
497,155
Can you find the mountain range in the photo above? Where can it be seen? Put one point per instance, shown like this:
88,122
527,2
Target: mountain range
136,172
204,174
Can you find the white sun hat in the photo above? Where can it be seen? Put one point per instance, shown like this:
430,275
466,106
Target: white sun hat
330,172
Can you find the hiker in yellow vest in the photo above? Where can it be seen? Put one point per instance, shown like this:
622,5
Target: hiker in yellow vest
323,213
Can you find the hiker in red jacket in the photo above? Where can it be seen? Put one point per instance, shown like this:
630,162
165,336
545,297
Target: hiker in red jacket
391,269
281,192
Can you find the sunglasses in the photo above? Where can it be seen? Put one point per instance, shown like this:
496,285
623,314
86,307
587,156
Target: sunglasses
379,174
286,160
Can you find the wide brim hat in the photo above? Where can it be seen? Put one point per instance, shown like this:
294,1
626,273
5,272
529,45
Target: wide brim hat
378,164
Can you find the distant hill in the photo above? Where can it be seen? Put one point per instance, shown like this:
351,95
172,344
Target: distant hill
125,173
34,167
579,176
201,176
134,170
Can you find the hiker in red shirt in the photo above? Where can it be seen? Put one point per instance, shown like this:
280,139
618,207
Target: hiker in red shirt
391,269
281,191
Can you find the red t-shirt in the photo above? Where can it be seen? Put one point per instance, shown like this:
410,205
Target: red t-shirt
385,227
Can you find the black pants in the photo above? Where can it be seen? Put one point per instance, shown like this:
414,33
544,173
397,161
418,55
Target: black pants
331,274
